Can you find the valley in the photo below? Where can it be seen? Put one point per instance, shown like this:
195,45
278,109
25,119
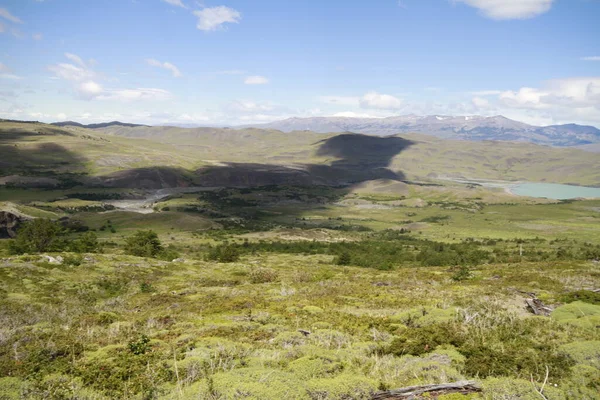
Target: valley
292,265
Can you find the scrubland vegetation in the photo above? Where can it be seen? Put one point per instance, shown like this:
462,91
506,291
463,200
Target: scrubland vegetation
285,283
321,301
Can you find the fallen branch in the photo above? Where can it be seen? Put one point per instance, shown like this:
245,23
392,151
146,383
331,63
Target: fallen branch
414,392
537,307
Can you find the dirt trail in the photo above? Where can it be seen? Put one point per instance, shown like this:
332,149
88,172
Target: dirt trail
146,204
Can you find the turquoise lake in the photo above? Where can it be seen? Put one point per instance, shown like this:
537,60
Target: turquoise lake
554,191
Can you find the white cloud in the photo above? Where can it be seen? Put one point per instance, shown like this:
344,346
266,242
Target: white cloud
10,77
592,58
4,13
2,27
89,90
71,72
256,80
75,58
563,100
37,36
177,3
379,101
352,114
139,94
509,9
4,68
211,19
245,106
166,65
61,116
480,102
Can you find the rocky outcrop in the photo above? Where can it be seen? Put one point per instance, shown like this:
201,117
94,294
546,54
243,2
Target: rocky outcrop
9,224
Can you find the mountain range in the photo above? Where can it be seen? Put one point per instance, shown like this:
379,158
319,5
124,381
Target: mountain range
474,128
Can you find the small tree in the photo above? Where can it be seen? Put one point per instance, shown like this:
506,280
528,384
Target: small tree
223,253
343,259
87,243
37,236
143,244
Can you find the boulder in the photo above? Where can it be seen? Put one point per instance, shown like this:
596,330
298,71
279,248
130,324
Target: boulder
9,224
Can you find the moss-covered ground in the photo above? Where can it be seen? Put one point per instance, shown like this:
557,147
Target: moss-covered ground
432,290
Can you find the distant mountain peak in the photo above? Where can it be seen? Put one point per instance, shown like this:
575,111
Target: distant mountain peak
470,127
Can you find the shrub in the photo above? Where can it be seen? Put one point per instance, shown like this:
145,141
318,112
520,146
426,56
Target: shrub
462,274
143,244
343,259
587,296
263,275
37,236
223,253
86,243
139,346
71,259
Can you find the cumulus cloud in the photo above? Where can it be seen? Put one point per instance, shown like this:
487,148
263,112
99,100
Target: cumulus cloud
213,18
509,9
245,106
138,94
352,114
177,3
75,58
564,100
71,72
165,65
256,80
4,13
480,102
85,85
379,101
89,90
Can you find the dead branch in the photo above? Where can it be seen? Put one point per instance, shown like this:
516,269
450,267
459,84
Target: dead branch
415,392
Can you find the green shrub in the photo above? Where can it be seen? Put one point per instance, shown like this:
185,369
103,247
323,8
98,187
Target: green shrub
72,259
462,274
143,244
343,259
86,243
140,345
37,236
223,253
587,296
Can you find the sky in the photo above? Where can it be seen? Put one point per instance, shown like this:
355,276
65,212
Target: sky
231,62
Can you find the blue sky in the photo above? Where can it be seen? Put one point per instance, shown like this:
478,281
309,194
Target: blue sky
239,61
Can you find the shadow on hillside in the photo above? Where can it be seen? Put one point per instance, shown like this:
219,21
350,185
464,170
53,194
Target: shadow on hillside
22,154
354,159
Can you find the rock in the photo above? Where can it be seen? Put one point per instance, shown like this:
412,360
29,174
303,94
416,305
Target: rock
9,224
52,260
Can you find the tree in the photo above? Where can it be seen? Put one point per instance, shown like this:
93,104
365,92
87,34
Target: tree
87,243
344,259
37,236
143,244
